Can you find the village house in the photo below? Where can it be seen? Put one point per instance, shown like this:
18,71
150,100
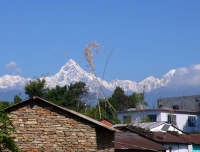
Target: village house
133,142
188,121
182,112
43,126
165,134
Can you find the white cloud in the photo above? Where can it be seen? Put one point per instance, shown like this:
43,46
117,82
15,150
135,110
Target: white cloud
196,67
11,64
182,71
186,76
13,67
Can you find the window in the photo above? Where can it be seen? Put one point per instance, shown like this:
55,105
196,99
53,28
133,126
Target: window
160,103
171,119
126,119
152,117
197,99
191,121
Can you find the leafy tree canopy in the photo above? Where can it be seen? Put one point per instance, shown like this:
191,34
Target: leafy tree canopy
6,128
72,96
4,104
17,99
121,101
68,96
36,87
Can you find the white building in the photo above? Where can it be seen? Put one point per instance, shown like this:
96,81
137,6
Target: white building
188,121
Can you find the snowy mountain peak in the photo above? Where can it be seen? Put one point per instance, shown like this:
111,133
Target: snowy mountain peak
71,72
170,73
71,63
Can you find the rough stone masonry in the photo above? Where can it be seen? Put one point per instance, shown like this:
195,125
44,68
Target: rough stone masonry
43,127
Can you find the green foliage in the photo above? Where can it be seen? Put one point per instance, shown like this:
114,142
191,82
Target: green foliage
127,120
146,119
17,99
6,128
116,120
120,101
4,104
68,96
36,87
106,112
136,98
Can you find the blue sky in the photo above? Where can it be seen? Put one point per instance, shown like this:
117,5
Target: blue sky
148,37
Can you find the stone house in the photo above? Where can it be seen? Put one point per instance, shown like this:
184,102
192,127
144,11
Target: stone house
43,126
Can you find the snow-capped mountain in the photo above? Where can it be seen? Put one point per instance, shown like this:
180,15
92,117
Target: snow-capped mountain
10,82
71,72
177,82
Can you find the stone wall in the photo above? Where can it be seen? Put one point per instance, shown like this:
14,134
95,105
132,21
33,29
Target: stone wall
43,127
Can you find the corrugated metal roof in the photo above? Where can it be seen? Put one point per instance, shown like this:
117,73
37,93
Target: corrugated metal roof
195,139
134,141
167,138
160,137
148,125
67,110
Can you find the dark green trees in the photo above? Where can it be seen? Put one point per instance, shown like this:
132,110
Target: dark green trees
120,101
36,87
72,96
6,128
17,99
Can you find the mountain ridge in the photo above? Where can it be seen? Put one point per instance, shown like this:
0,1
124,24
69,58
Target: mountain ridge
71,72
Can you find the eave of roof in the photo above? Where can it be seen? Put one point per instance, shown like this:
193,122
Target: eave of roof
67,110
160,110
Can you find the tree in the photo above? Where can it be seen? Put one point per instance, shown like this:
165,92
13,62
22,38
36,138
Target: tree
36,87
17,99
6,128
121,100
4,104
72,96
135,99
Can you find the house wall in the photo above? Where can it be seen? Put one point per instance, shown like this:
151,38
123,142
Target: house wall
43,127
182,121
181,118
195,148
135,115
177,147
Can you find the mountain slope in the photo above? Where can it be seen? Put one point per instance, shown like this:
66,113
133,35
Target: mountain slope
71,72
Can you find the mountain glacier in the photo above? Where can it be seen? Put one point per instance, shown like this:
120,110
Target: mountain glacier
71,72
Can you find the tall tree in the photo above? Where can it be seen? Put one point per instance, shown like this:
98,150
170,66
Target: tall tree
36,87
17,99
135,99
120,98
72,96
